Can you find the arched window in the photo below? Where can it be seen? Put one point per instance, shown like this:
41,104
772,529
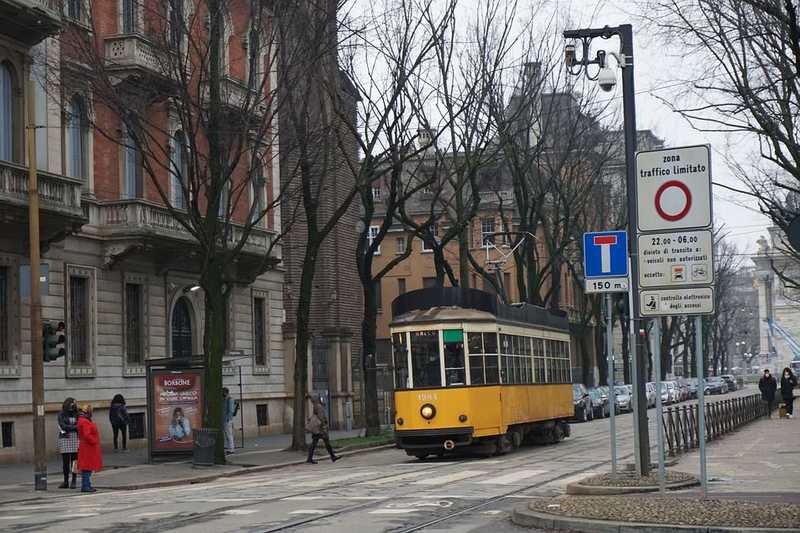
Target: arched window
131,167
7,114
180,169
77,133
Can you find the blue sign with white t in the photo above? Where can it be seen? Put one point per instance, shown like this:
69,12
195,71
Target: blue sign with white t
605,254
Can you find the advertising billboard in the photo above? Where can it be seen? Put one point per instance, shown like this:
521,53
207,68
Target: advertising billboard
177,398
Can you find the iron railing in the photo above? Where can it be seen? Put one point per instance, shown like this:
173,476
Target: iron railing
681,428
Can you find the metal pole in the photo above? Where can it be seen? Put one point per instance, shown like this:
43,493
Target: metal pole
656,340
642,442
642,462
612,395
37,357
241,406
701,402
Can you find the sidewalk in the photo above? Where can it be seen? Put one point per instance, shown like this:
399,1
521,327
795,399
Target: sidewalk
759,462
127,471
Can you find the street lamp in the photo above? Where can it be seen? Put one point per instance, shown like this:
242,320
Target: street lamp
578,62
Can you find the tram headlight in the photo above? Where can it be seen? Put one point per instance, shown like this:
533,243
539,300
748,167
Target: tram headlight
462,418
400,421
427,411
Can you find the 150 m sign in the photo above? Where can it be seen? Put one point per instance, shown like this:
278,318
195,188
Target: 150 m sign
607,285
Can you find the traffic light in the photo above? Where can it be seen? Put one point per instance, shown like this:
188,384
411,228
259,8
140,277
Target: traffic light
55,341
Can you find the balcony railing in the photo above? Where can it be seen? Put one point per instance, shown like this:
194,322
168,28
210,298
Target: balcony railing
57,194
134,52
30,21
132,218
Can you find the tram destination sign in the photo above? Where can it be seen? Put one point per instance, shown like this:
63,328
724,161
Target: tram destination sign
676,259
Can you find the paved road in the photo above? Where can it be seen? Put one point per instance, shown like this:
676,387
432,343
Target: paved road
380,491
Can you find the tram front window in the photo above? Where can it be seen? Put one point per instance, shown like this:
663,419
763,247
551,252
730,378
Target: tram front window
454,370
425,360
400,361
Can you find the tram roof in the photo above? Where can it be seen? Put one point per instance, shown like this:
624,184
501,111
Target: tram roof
456,303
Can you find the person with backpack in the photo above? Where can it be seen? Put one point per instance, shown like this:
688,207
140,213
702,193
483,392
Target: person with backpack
119,418
317,425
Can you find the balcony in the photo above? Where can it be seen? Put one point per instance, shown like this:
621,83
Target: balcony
138,227
133,55
30,21
60,208
234,94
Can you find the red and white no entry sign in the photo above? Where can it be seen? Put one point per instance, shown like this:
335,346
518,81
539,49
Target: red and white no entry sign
673,189
673,200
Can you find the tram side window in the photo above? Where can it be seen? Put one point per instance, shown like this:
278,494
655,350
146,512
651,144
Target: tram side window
491,358
475,343
538,361
425,360
400,360
552,374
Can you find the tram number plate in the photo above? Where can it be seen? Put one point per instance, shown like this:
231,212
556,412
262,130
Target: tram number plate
427,397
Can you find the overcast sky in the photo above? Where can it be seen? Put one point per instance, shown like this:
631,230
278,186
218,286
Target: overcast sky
737,212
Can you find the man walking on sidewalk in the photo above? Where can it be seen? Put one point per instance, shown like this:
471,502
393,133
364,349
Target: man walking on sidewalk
228,412
767,385
317,425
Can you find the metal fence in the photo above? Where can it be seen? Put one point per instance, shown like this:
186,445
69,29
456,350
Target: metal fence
681,427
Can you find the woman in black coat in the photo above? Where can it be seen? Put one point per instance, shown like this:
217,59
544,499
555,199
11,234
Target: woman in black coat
119,418
68,439
788,383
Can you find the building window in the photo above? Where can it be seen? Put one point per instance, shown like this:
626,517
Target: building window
371,236
131,168
507,284
262,415
259,193
378,296
180,170
128,9
7,112
401,285
427,246
487,231
259,331
400,245
77,136
429,283
176,24
134,319
7,434
5,342
376,193
79,320
222,208
74,9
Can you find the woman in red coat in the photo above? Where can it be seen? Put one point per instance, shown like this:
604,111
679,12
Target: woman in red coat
90,456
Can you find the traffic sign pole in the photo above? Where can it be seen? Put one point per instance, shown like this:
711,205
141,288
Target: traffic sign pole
610,381
701,401
656,340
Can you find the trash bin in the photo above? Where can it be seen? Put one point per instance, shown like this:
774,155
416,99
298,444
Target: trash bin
205,439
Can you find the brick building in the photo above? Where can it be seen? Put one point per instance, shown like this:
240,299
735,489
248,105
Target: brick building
123,272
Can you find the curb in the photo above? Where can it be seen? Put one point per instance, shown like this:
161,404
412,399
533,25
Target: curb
244,470
523,516
577,488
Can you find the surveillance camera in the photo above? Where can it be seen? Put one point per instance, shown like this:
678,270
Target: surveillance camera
607,79
569,54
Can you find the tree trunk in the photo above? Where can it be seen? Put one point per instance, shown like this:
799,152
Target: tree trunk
600,350
301,346
368,367
214,335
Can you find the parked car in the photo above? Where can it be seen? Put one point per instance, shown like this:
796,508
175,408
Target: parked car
730,380
582,403
650,390
600,407
716,385
692,384
624,398
666,397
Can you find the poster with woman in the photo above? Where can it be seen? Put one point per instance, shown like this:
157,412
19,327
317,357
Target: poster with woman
177,408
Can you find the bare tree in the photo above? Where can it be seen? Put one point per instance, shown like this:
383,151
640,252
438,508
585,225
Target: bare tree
200,133
747,82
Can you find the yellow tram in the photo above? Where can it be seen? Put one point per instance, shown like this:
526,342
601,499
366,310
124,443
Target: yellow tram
471,371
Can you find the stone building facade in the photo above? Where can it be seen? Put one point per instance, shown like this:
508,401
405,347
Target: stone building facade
122,272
